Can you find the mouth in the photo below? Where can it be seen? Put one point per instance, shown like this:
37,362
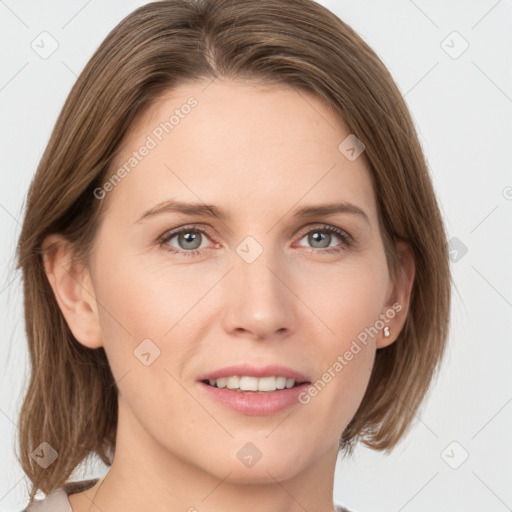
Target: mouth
255,391
248,384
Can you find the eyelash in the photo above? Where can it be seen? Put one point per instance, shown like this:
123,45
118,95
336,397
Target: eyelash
347,240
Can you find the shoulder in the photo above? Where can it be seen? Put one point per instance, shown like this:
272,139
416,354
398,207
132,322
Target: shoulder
339,508
57,500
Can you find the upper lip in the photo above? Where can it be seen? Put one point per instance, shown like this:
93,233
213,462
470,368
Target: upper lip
253,371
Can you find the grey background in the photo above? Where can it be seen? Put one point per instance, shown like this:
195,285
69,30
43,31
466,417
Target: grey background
462,107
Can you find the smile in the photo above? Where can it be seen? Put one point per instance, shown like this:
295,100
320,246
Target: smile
247,383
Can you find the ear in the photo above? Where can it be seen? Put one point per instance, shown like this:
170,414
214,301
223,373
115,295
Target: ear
73,290
399,296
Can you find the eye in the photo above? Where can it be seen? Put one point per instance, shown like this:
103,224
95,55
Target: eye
189,240
322,236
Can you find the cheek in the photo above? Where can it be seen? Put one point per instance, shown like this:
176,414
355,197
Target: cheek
143,309
344,369
348,297
349,302
150,313
148,299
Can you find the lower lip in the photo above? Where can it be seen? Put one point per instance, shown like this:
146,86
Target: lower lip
256,403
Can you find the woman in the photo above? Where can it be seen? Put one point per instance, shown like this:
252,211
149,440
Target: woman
234,264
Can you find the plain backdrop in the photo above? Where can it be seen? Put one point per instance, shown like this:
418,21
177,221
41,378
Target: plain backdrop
453,63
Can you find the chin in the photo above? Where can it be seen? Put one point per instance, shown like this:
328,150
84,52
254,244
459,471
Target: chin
261,473
249,465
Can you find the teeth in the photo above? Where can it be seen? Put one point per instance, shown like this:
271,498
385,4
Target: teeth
233,382
246,383
280,382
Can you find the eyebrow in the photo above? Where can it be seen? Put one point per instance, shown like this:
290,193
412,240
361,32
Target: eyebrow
210,210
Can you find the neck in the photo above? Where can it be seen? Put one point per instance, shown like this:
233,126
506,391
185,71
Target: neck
146,476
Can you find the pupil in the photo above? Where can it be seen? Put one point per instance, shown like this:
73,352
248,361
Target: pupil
190,237
322,236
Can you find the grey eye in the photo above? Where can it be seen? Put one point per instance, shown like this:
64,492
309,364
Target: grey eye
188,239
324,239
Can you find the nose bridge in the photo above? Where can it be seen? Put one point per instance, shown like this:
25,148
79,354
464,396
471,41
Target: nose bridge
257,266
259,301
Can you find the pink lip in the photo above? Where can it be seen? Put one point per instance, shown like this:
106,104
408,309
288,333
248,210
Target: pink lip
255,403
252,371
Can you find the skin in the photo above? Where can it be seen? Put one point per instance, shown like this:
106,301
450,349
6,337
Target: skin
259,153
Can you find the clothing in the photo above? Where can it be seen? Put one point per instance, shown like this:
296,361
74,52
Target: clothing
57,500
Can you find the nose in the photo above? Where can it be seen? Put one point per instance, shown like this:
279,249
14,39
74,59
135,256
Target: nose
259,300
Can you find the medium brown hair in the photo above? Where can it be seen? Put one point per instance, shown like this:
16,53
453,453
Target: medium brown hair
71,400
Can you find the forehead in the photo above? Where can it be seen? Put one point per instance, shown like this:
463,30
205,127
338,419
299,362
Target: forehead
254,146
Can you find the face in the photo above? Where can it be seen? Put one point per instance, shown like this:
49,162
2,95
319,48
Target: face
183,294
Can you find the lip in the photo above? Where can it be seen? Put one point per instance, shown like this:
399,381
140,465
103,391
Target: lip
253,371
255,403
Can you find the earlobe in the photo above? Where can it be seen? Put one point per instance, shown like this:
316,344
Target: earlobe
398,303
73,290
